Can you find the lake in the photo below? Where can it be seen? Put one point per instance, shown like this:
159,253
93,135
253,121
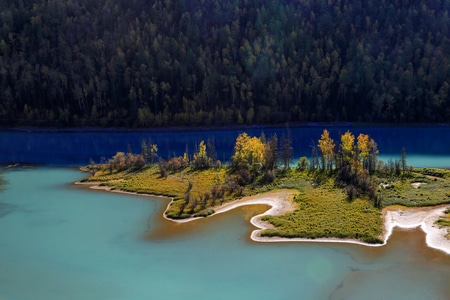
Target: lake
425,146
64,241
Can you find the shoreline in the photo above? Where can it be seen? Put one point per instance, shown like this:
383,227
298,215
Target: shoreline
423,217
280,202
277,200
95,185
78,129
71,129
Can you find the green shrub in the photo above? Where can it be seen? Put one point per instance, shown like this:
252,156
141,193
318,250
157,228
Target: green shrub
204,213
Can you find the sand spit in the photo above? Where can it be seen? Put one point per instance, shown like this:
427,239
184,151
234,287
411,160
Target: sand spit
95,185
281,203
423,217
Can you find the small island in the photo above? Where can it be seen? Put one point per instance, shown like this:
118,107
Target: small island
342,192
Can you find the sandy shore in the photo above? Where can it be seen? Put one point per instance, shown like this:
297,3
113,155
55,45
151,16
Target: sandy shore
399,217
95,185
281,203
423,217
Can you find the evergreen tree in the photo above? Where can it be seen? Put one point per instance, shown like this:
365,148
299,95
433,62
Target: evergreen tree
159,63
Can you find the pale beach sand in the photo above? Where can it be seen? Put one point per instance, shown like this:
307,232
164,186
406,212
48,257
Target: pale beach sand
281,203
423,217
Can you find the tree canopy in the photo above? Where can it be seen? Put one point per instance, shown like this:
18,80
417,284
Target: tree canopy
209,62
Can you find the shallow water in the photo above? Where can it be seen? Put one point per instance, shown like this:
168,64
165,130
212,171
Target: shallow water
61,241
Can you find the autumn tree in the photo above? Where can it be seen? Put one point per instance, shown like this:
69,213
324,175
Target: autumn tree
201,159
177,163
326,145
248,148
349,163
363,149
367,152
354,167
347,151
118,161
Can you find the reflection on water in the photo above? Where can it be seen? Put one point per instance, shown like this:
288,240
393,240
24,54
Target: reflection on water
64,241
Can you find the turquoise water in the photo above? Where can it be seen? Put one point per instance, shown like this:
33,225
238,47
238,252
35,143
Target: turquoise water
61,241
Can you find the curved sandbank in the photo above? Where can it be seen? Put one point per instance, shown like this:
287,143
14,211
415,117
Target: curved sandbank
281,203
423,217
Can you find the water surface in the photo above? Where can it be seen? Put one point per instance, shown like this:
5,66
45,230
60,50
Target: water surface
425,146
61,241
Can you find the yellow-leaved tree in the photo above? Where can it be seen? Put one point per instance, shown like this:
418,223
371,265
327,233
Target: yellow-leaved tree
367,152
347,147
250,149
363,146
326,146
201,157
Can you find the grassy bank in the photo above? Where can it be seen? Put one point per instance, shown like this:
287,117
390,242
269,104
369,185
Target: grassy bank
424,187
323,210
175,185
149,181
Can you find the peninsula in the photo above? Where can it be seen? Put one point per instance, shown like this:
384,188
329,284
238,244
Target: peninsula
341,193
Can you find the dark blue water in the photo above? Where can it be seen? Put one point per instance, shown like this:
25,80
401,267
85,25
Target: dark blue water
425,146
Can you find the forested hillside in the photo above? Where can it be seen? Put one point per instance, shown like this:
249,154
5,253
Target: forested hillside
148,63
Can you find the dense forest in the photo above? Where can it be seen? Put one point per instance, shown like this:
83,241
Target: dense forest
208,62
